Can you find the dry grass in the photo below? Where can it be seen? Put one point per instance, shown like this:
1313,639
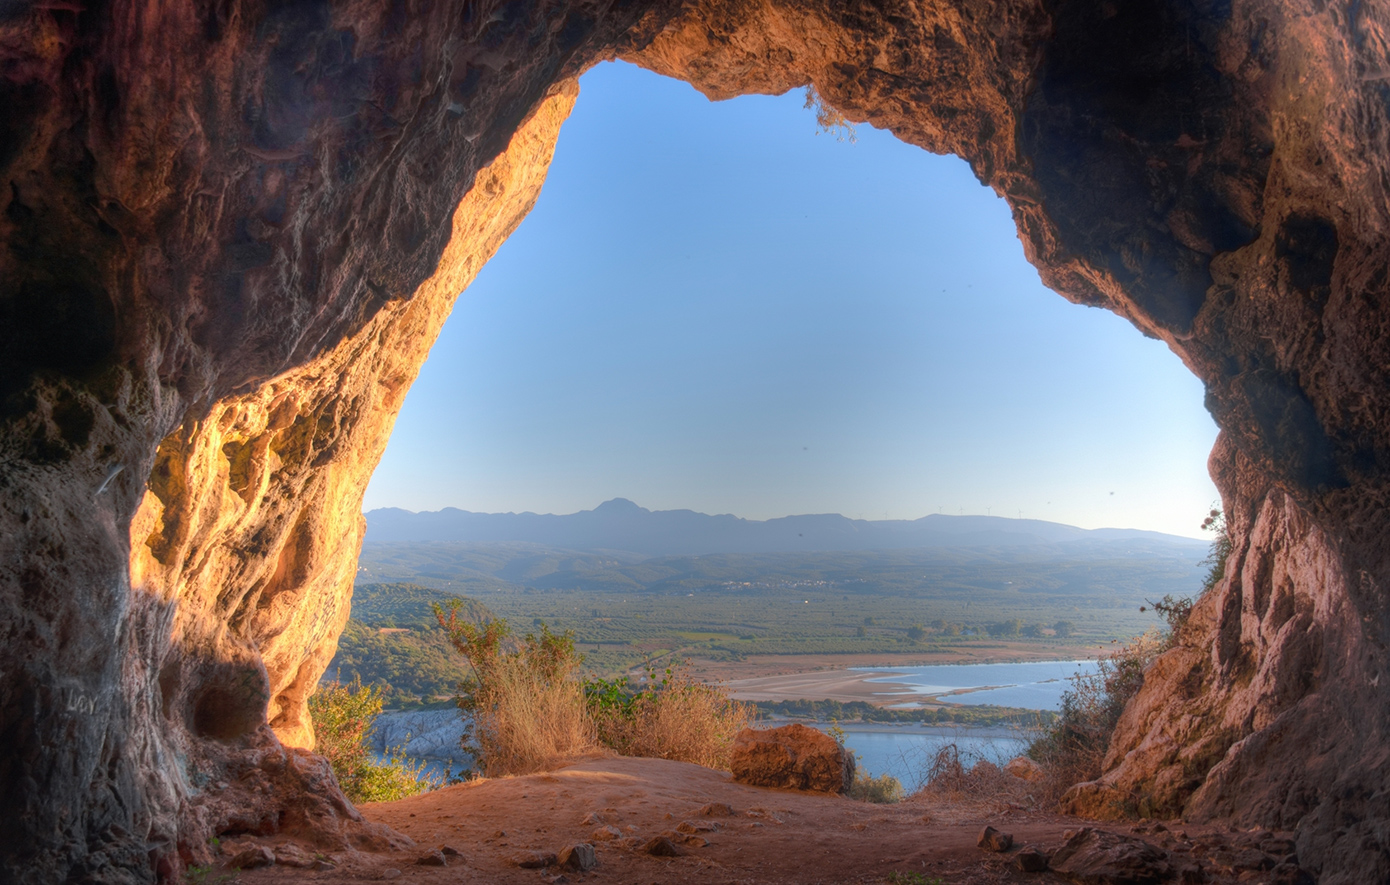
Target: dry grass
527,722
680,719
528,710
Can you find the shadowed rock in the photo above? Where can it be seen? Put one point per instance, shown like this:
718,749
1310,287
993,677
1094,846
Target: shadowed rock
1099,857
993,840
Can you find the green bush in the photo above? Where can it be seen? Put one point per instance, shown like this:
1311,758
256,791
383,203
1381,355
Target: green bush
1072,748
883,790
670,716
343,717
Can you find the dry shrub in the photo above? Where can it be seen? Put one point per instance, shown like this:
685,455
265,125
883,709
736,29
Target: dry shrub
527,722
673,718
1072,749
523,704
882,790
526,708
956,773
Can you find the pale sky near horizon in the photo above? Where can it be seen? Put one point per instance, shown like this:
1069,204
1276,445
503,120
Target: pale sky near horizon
713,307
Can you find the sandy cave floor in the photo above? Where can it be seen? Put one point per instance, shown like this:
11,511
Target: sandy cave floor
773,836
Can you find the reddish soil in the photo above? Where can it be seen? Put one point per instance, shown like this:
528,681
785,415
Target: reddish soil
773,836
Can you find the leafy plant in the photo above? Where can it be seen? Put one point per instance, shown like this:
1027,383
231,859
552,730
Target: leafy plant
1073,747
343,716
1219,551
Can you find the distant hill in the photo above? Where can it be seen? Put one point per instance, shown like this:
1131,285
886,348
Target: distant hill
392,641
620,524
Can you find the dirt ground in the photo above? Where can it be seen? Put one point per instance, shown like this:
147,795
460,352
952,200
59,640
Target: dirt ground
771,837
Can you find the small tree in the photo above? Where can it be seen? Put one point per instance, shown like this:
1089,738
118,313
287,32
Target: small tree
916,632
1064,628
1219,551
343,716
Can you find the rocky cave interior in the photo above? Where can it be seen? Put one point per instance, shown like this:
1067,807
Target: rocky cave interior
233,229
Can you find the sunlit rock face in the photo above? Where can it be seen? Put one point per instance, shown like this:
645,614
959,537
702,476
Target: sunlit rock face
232,232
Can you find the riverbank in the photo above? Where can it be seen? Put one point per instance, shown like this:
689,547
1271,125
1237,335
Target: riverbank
994,652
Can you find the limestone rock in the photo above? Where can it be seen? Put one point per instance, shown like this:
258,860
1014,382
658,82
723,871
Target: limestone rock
252,858
1290,874
694,826
1024,768
792,756
534,860
432,858
1100,857
993,840
660,846
1096,800
291,855
579,858
1030,860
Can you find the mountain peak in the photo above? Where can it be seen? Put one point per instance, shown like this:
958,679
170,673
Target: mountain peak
620,505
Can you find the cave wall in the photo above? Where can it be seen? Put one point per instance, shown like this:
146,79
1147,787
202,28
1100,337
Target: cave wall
232,230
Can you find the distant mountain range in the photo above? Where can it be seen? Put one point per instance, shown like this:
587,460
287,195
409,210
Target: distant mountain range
620,524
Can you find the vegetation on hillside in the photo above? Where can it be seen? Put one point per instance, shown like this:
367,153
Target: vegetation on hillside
393,644
626,611
861,711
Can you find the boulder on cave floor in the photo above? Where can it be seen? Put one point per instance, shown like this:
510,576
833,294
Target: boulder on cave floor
1100,857
791,757
1096,800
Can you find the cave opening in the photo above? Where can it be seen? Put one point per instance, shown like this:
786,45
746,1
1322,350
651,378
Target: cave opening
706,293
712,306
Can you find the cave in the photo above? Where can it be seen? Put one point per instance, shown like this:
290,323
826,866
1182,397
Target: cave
232,230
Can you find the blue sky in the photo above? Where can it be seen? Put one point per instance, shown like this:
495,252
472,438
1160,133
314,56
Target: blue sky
714,307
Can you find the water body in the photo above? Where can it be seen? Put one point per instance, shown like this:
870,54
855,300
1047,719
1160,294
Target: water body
906,752
1036,685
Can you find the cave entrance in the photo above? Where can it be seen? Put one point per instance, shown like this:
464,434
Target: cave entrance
712,306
